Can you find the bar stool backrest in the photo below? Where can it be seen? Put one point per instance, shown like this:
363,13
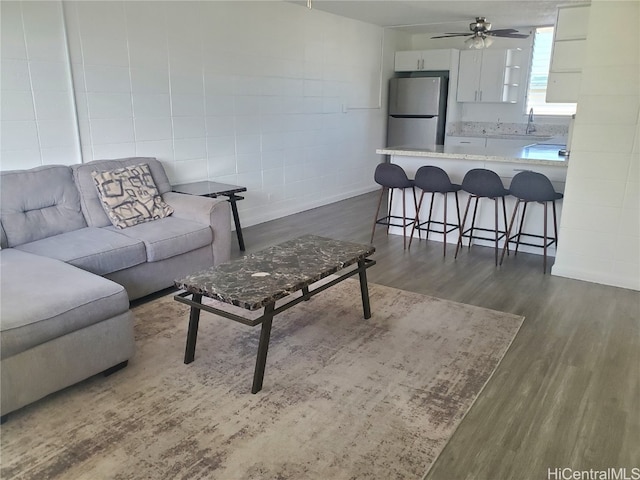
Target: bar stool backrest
483,183
391,175
533,187
434,179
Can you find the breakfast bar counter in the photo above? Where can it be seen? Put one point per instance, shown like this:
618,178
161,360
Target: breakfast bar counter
458,160
538,154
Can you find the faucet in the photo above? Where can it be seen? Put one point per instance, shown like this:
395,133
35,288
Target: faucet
530,126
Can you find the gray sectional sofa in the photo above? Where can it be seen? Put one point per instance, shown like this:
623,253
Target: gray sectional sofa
67,274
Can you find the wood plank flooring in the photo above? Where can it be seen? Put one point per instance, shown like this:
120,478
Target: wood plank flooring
567,394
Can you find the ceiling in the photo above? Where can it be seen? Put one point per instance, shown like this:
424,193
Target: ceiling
436,16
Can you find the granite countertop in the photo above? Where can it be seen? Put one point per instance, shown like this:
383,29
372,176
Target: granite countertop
540,154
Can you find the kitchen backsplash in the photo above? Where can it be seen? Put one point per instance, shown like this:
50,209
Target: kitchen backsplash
493,128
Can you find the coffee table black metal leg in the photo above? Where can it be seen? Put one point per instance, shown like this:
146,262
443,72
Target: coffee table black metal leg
364,289
192,334
263,348
236,220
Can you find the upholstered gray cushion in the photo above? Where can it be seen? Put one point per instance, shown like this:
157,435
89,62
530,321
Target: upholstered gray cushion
97,250
90,202
38,203
43,299
129,195
168,237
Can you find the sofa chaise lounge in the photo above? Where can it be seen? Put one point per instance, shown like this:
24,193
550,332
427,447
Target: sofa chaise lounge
68,273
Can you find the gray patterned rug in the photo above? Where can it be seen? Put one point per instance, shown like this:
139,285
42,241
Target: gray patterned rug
343,397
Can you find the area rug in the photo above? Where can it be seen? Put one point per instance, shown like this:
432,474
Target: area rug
343,397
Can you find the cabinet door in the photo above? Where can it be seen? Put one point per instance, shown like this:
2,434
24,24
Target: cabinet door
465,141
568,56
408,61
469,76
437,59
492,75
572,23
508,143
563,87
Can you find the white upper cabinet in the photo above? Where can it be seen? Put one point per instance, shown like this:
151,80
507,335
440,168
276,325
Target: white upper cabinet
572,23
489,76
423,60
567,57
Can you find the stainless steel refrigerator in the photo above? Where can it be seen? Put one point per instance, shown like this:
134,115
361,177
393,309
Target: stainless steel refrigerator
417,109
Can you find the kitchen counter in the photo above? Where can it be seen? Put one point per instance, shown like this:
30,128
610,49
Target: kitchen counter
539,154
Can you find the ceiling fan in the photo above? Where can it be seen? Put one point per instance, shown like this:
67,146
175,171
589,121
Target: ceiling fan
481,33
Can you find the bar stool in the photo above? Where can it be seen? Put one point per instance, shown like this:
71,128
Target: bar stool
483,183
529,187
435,180
392,177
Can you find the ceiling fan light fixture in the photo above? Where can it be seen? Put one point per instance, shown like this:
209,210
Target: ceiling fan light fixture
475,42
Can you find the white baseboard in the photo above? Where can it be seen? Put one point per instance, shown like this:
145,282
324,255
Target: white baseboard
249,218
604,278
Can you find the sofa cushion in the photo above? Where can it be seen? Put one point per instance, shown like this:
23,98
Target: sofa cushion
90,202
38,203
97,250
129,195
169,236
43,299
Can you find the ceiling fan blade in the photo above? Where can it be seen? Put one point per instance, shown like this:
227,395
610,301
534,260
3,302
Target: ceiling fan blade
450,35
508,35
501,31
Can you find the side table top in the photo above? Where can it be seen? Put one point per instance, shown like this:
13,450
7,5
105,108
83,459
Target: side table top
261,278
207,188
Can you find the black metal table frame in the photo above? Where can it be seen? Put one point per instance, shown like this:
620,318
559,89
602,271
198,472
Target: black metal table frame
267,318
232,198
230,193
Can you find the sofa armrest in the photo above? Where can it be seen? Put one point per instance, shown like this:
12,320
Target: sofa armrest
214,212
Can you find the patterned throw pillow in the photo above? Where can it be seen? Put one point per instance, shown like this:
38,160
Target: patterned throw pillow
130,196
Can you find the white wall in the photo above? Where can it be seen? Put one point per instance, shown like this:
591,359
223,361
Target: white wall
37,120
600,229
281,99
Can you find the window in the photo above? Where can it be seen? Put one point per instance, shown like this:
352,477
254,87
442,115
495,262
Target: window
537,89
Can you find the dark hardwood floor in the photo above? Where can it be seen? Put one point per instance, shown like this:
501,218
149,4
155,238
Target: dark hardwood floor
567,393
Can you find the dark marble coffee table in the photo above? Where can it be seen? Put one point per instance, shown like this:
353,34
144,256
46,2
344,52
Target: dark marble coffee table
260,279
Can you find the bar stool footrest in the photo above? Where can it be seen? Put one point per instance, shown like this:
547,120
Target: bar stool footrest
428,229
387,221
514,239
501,234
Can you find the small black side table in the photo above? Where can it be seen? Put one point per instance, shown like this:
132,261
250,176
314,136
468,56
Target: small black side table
214,189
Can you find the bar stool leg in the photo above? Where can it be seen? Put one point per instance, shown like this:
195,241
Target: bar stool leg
458,209
524,211
555,224
513,219
415,203
444,252
416,222
390,209
544,260
433,194
461,230
504,212
375,218
473,221
404,220
495,209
